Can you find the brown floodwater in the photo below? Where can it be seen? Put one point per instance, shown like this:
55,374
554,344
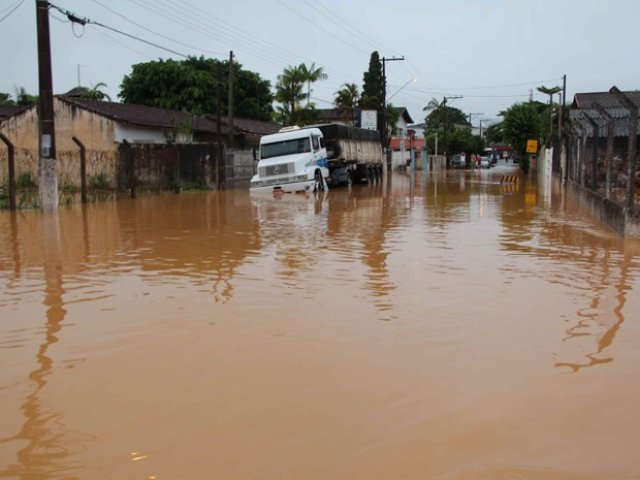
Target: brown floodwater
441,328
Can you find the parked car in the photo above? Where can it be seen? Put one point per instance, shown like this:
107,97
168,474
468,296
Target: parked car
485,162
459,161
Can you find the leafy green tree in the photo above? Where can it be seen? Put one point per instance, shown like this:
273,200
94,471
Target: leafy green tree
5,99
446,121
373,89
393,115
521,123
346,101
191,85
495,133
24,99
311,75
309,115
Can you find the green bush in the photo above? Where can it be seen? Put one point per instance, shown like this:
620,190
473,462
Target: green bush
99,182
25,181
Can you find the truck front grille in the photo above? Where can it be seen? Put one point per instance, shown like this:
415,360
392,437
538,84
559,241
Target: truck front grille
280,169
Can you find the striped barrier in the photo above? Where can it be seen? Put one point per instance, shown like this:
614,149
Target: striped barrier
510,179
509,188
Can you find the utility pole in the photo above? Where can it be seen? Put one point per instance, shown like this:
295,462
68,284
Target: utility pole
48,178
384,104
219,159
230,113
471,116
562,103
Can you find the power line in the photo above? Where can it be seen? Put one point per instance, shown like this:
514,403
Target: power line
320,26
83,21
154,32
15,7
182,18
523,84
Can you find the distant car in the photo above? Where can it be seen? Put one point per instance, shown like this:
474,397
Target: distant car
485,162
459,161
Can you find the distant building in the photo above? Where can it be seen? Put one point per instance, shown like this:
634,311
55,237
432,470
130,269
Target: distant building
116,136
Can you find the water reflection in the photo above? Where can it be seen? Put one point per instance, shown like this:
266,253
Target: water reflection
45,452
604,316
453,265
576,257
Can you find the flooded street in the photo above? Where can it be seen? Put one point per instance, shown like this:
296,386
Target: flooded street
442,328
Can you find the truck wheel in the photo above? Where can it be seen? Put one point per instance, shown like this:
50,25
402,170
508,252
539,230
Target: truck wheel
318,185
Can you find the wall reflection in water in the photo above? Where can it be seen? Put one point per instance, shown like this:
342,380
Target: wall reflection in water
594,263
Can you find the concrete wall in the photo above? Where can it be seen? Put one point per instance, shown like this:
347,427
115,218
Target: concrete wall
94,131
435,163
157,165
22,131
610,213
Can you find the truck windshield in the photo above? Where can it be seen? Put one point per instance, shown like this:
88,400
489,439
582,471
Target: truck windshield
286,147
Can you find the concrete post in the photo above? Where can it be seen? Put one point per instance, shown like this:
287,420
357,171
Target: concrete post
48,183
11,172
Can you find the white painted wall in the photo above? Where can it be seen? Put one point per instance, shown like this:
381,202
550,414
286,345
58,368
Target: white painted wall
145,135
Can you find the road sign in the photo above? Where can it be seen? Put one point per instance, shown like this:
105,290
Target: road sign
532,146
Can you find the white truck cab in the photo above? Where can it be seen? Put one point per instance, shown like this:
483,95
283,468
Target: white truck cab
292,160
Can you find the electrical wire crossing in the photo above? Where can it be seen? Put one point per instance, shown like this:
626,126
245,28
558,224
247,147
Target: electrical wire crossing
75,19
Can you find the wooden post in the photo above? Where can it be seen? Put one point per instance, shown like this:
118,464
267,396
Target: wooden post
83,169
11,172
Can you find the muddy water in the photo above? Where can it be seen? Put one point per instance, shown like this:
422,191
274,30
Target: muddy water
447,329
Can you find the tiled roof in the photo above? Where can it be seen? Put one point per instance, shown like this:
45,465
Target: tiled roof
7,111
606,99
583,107
403,113
249,126
142,115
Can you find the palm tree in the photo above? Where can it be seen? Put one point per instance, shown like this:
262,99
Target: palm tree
289,92
346,101
311,75
433,104
95,93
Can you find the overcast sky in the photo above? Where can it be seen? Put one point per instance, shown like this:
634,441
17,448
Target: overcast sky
492,52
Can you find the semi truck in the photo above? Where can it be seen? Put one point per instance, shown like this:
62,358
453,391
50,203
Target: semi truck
312,158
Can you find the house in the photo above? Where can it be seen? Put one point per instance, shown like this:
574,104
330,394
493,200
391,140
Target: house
402,125
166,146
584,105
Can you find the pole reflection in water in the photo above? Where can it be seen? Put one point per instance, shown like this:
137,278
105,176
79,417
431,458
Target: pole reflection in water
419,326
44,453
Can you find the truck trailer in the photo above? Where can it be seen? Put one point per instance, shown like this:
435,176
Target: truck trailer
309,159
